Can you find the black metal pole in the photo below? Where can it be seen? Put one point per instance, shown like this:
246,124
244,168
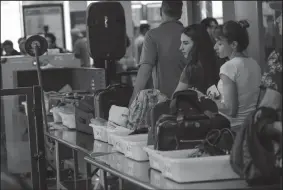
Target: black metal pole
39,75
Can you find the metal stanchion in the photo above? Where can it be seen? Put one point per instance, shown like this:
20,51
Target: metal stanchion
36,46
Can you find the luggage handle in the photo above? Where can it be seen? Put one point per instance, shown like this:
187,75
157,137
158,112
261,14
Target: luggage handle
182,117
191,141
113,86
82,120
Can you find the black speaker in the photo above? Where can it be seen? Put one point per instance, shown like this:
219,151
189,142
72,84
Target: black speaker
106,30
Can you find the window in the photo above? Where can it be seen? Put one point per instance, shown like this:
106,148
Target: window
217,11
11,13
211,9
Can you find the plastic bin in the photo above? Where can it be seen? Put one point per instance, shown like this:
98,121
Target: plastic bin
156,157
112,134
137,169
56,116
117,161
99,146
120,144
133,147
156,179
99,129
161,182
68,119
198,169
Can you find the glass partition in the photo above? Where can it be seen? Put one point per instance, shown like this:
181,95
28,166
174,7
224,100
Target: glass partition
23,163
16,162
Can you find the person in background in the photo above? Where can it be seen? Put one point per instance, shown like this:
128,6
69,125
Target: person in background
21,43
240,76
8,47
269,38
51,41
272,76
197,48
210,24
272,81
80,47
143,29
46,30
160,57
139,41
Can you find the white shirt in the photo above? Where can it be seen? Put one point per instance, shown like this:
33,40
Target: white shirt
246,73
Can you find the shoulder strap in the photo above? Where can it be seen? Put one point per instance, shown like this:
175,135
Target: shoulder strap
261,89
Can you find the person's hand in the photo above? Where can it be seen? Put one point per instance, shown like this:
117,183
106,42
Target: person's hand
200,94
212,95
257,116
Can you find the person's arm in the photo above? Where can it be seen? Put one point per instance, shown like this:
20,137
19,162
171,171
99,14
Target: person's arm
144,74
183,82
147,62
230,103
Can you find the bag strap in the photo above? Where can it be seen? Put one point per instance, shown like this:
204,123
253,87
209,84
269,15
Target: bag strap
261,88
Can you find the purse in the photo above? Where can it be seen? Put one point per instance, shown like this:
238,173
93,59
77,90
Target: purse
187,125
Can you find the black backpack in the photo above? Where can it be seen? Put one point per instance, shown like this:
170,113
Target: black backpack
253,156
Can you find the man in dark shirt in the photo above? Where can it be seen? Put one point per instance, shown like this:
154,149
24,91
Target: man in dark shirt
160,55
9,48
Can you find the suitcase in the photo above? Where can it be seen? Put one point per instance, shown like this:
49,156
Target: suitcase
154,114
118,94
84,112
106,30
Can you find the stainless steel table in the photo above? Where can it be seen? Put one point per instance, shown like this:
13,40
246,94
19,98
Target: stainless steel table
76,142
140,174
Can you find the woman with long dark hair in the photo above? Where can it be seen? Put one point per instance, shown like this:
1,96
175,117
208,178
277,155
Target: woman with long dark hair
202,70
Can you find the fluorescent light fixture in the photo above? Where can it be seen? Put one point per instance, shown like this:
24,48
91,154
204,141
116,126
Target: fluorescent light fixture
143,22
149,2
153,5
89,2
136,6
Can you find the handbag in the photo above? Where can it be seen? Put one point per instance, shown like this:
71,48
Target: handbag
188,124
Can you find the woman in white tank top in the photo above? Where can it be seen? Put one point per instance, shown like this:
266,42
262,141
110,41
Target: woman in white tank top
240,76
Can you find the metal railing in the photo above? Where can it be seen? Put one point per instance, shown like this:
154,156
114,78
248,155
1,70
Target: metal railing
35,132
